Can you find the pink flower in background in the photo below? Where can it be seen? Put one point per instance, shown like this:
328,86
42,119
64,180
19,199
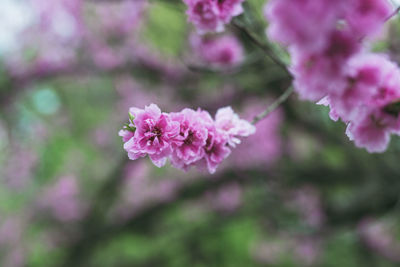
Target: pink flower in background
227,198
372,80
219,51
228,122
265,146
307,250
372,130
365,17
229,9
112,31
61,199
170,68
330,66
307,24
379,236
204,15
373,83
312,71
19,167
118,19
63,18
191,140
322,39
16,257
307,202
140,189
132,93
53,34
212,15
304,250
154,135
11,230
301,23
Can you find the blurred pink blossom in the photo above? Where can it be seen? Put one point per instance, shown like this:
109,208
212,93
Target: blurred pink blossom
212,15
264,147
62,200
307,202
379,236
11,242
141,190
17,173
15,257
224,51
191,139
304,250
307,250
227,198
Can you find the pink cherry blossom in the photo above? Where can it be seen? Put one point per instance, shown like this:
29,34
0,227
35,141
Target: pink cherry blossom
330,65
332,113
301,23
322,36
216,149
204,15
228,9
211,15
228,122
372,130
192,138
373,84
188,138
366,17
372,80
153,136
126,134
312,71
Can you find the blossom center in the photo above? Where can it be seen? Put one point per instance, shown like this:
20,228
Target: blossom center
189,139
156,132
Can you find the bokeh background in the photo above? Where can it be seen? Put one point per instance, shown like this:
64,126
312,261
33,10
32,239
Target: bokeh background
297,193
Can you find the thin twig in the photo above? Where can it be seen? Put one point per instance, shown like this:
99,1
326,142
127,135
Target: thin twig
268,51
395,12
274,105
264,47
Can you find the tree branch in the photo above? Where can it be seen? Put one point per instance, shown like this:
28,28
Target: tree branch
274,105
263,46
395,12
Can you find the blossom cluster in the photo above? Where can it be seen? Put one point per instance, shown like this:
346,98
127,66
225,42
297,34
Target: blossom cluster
212,15
57,32
331,65
188,138
220,52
